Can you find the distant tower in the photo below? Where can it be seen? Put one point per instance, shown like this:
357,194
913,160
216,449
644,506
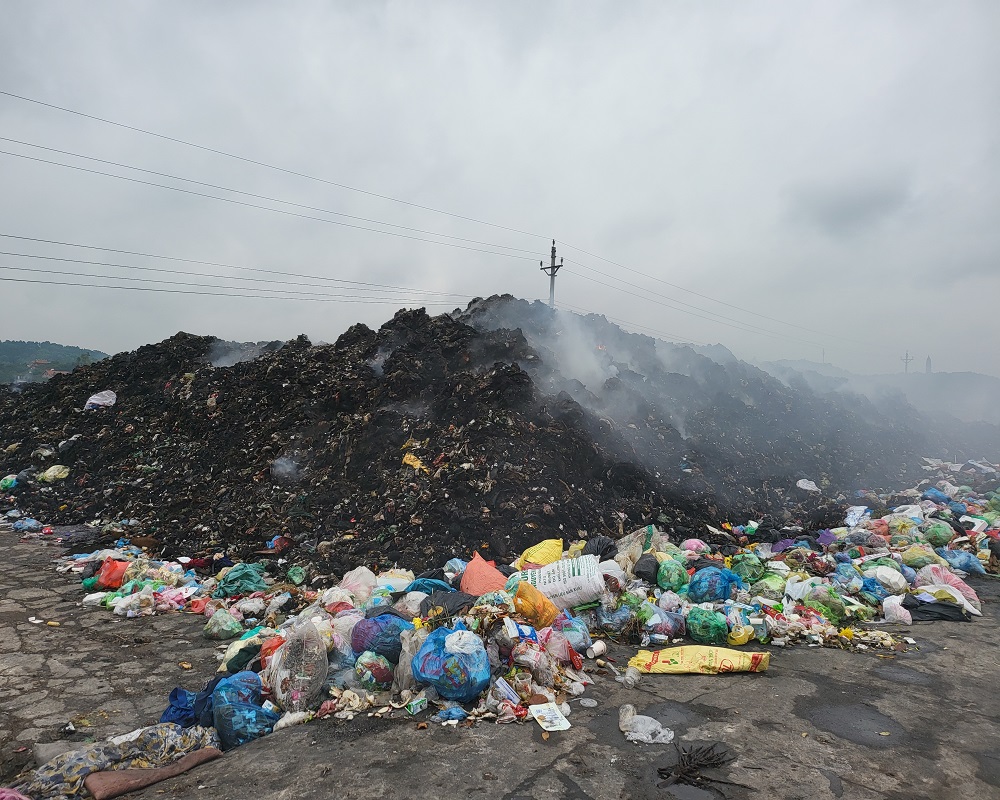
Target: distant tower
927,366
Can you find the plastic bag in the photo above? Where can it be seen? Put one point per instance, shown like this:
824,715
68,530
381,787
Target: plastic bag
556,644
482,576
748,567
456,676
222,625
707,627
603,547
534,606
671,575
567,583
935,574
893,611
963,560
298,668
694,659
575,630
410,643
638,728
360,582
937,534
891,579
241,579
664,623
380,635
374,671
646,568
237,716
918,556
111,574
614,620
696,546
540,554
395,579
711,584
53,474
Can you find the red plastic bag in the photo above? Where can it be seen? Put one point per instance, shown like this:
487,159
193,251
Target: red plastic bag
111,574
482,576
268,649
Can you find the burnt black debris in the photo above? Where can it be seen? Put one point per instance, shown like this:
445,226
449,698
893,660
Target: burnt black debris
485,429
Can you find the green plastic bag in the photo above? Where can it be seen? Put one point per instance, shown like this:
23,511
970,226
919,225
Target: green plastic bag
770,586
748,567
671,575
222,625
241,579
937,534
707,627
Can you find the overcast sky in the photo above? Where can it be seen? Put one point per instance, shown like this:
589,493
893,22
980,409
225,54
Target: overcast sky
831,166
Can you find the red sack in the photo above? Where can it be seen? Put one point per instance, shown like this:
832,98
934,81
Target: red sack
111,574
482,576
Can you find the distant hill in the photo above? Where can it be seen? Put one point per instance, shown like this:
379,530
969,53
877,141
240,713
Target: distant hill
37,361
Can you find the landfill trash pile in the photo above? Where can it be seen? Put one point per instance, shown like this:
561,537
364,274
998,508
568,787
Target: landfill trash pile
432,437
474,641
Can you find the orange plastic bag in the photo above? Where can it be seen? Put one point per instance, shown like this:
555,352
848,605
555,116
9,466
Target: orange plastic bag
534,606
111,574
482,576
268,649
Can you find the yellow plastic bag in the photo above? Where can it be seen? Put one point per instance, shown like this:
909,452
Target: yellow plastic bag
534,606
541,554
412,461
53,474
699,659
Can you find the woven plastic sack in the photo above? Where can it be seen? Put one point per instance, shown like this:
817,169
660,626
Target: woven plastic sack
748,567
380,635
298,668
374,671
707,627
541,554
963,560
711,584
671,575
456,676
770,586
937,534
567,583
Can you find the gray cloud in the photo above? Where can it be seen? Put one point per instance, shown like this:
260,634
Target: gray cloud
804,164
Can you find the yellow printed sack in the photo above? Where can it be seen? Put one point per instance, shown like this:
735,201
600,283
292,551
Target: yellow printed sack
699,659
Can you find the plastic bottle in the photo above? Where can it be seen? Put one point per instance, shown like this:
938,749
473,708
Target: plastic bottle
631,678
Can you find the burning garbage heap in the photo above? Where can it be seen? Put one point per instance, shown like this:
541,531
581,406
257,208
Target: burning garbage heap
485,429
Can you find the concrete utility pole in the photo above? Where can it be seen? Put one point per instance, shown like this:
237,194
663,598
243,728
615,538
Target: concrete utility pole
906,361
551,271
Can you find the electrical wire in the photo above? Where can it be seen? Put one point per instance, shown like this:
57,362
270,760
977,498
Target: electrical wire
209,263
255,205
268,166
264,196
215,294
230,277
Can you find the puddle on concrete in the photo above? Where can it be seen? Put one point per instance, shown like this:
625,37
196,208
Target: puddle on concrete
897,673
854,722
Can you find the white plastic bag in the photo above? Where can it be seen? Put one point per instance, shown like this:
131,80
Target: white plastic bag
359,582
893,611
638,728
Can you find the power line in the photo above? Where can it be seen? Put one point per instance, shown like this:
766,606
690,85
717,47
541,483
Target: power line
717,321
214,294
255,205
206,285
264,196
209,263
368,287
268,166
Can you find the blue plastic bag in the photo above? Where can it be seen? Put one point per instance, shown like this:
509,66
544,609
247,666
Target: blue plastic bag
236,715
935,495
180,708
459,676
711,583
575,630
380,635
961,559
873,591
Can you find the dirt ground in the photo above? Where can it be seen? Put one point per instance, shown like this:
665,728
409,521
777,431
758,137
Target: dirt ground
821,723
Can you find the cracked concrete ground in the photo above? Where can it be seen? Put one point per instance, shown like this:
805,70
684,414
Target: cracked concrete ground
813,726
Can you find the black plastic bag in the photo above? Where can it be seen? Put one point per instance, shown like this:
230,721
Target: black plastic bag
646,567
603,547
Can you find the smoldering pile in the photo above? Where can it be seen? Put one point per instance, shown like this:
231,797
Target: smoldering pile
436,436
